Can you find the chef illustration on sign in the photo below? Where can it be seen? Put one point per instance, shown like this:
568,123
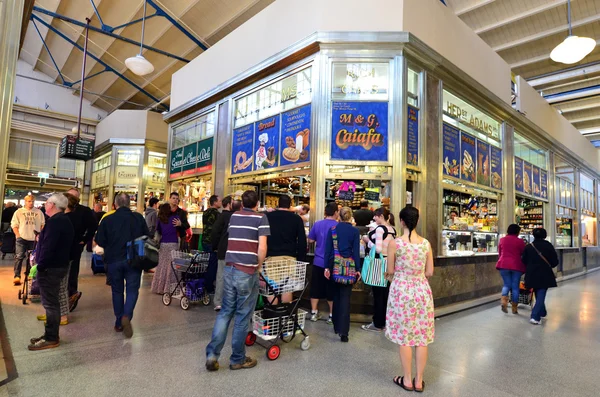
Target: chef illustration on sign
261,153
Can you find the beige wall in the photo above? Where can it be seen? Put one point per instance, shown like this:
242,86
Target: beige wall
156,128
286,22
125,124
536,109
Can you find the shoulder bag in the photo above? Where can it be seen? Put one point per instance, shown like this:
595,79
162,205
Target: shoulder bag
344,269
543,258
373,272
142,252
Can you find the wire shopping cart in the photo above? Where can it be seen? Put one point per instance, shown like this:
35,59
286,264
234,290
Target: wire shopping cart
27,290
190,269
525,295
280,320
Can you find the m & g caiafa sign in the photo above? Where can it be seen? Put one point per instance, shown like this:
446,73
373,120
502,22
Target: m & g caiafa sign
467,114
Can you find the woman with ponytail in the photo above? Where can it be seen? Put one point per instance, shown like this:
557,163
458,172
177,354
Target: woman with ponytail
410,319
379,240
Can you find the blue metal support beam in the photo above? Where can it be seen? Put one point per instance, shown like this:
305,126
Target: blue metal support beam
102,31
86,78
444,3
100,61
49,53
183,30
97,13
131,23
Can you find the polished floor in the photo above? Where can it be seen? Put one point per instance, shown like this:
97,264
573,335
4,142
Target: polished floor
481,352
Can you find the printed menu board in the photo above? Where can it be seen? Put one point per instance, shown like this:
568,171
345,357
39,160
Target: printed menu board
467,156
543,184
295,136
266,143
242,149
527,177
518,174
483,163
496,167
451,150
359,131
412,147
535,185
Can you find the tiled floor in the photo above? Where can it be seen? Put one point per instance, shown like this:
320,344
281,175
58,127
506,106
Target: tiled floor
481,352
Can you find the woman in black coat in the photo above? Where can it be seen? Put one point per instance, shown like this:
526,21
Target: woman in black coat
540,258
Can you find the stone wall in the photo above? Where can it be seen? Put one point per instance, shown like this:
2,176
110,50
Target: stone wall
571,260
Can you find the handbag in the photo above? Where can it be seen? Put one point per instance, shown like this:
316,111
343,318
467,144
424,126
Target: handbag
543,258
344,269
373,271
142,252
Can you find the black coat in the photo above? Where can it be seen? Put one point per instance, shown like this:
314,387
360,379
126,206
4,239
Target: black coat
538,274
220,235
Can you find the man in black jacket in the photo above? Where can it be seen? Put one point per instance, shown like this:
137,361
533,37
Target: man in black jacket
220,237
182,223
114,232
52,257
288,237
363,217
85,227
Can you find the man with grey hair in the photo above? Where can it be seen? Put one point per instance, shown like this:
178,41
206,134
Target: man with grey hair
114,233
52,257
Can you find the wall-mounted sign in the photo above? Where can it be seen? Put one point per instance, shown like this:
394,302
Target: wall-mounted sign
295,136
242,153
535,185
75,148
204,156
451,150
467,157
125,175
266,144
191,159
543,184
518,174
412,147
527,178
483,163
371,195
365,81
100,178
156,177
469,115
496,167
359,131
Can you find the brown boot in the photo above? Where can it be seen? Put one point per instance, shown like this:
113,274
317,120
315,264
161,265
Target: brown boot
514,308
504,304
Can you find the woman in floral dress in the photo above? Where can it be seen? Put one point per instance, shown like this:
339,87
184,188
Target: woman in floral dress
410,319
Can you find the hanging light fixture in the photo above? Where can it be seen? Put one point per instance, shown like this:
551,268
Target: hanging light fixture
138,64
574,48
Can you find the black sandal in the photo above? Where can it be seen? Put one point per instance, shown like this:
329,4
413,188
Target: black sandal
422,386
400,382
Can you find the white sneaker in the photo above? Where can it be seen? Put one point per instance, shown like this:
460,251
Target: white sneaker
534,322
371,327
314,317
330,320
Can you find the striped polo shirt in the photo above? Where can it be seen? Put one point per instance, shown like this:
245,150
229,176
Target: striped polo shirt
245,227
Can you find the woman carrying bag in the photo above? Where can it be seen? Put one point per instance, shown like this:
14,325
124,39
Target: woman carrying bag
540,258
374,266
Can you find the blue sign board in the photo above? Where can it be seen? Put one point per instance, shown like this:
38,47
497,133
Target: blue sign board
483,163
412,156
535,185
467,157
266,143
242,149
527,178
359,131
451,151
518,174
295,136
543,184
496,167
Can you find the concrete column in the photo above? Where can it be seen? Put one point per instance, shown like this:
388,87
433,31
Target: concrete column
432,177
221,145
507,207
11,13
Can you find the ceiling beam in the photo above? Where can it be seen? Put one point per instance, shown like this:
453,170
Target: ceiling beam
578,108
474,7
520,16
588,131
27,9
587,92
540,58
569,74
583,119
589,80
546,33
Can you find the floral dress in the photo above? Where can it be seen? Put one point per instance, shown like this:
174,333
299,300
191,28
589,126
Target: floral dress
410,319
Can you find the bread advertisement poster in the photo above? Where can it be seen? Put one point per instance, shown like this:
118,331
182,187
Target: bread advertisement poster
295,136
266,144
242,149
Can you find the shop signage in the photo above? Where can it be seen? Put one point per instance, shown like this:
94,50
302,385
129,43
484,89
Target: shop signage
467,157
371,195
527,177
518,175
496,167
204,157
295,136
192,159
451,150
360,80
99,178
347,195
156,177
543,184
412,148
266,143
483,163
535,182
188,165
75,148
467,114
359,131
242,149
176,163
126,175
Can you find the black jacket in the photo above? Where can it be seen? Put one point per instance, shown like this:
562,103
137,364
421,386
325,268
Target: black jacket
84,222
54,244
220,235
185,225
288,237
539,275
7,214
117,230
363,217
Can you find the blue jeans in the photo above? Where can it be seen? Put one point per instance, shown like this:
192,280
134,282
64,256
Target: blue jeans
511,279
539,309
123,278
240,292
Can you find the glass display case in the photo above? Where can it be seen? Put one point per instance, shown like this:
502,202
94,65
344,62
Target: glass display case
564,232
484,243
457,243
529,215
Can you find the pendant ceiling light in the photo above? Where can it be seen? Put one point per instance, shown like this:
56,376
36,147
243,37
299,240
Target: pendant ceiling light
138,64
574,48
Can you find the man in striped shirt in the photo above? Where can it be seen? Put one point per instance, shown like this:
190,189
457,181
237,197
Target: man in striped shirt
246,251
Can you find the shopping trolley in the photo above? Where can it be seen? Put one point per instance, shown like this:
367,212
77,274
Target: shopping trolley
525,295
190,269
280,320
28,291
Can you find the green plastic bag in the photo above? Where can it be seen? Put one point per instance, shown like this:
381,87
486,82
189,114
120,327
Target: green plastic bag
260,303
33,271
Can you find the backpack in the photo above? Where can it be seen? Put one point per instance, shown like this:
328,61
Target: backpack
344,269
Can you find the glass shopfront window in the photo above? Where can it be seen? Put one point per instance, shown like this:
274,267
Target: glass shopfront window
193,131
566,206
589,222
360,81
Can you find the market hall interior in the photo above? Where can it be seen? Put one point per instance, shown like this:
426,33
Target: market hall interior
443,105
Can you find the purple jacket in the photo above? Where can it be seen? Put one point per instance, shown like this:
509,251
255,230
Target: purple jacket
510,250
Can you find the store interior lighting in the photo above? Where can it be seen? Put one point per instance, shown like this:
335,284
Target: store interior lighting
574,48
138,64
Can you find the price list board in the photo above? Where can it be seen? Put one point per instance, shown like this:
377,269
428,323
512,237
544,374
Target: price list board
75,148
